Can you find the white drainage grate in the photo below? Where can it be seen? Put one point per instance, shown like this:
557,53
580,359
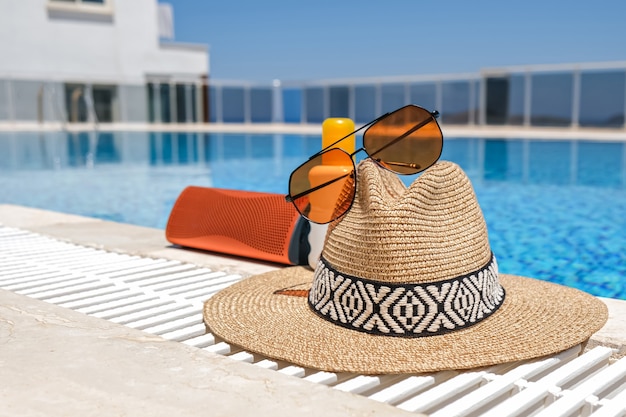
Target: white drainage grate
165,298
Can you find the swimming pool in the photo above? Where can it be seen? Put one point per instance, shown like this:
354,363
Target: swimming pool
555,209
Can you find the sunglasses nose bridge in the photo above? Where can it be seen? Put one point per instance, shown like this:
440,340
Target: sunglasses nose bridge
357,151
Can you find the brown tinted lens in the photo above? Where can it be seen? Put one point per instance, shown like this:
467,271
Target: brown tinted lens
322,192
407,141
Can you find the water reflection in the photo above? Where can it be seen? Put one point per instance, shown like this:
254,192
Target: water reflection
558,162
554,162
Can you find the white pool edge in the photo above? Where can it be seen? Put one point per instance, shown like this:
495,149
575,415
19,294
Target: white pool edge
449,131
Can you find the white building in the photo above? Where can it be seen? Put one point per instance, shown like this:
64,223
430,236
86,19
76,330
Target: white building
97,60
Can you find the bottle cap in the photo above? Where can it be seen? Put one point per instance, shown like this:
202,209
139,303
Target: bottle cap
333,129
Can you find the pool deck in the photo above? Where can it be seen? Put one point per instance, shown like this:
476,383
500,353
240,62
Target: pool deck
55,358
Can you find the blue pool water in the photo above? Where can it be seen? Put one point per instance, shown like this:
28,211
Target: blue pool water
555,209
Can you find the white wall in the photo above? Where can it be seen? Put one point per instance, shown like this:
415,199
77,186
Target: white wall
38,41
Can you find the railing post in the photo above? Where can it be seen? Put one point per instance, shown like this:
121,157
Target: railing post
121,103
199,102
528,83
247,111
278,114
173,100
156,96
219,108
624,121
576,80
11,102
482,100
407,93
303,107
351,102
439,99
472,101
188,103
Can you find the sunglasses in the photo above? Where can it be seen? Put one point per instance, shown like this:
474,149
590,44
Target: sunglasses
405,141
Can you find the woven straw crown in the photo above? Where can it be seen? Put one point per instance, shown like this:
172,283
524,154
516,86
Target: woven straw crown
431,231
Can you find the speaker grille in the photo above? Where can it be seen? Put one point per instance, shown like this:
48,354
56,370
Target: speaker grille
244,223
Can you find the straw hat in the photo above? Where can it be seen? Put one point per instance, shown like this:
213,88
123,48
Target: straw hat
406,283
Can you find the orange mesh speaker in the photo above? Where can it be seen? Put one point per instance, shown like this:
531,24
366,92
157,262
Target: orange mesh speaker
243,223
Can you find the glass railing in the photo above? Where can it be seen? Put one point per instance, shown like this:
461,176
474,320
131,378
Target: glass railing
577,95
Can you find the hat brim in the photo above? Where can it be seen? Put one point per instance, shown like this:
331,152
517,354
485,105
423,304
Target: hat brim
537,318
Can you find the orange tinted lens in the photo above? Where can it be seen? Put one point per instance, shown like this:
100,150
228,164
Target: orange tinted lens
407,141
323,192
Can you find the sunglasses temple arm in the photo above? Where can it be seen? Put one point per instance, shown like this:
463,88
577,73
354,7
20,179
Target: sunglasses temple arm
350,134
292,198
404,135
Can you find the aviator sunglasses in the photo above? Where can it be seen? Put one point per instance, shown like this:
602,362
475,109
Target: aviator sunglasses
405,141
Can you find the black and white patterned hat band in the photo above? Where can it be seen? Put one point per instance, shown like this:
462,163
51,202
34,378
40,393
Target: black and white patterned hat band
405,310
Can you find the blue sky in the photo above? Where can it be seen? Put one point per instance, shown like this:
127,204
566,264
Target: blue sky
302,40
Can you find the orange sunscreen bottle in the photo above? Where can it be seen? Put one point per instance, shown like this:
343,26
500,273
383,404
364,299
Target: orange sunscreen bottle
333,129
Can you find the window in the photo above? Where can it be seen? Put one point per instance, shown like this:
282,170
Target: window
104,102
233,105
365,103
260,105
314,99
76,103
456,102
79,1
392,97
517,97
424,95
551,99
602,99
165,100
90,9
292,105
339,101
496,110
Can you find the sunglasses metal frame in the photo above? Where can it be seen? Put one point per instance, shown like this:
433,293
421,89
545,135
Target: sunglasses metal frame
433,114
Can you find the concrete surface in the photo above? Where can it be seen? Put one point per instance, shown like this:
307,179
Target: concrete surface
57,362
